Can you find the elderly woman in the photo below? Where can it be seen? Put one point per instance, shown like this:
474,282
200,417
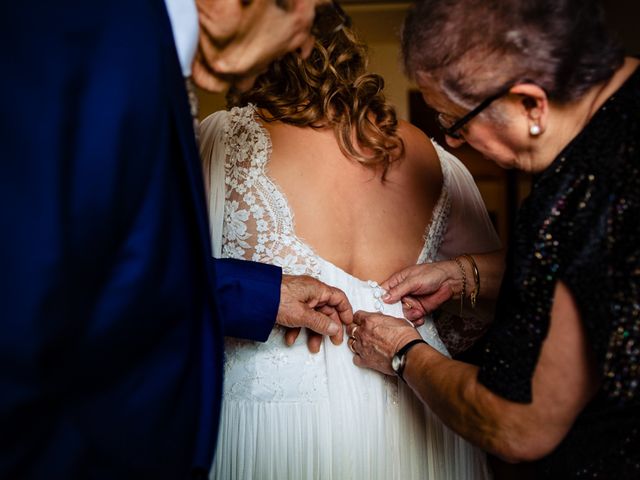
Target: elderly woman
543,88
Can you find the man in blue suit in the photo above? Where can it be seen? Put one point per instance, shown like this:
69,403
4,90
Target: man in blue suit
111,308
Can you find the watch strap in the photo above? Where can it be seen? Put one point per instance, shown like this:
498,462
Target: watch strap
403,352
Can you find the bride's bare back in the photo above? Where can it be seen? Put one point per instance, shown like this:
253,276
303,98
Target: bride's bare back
343,210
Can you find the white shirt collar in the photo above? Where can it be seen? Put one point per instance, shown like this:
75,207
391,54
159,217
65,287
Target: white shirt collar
184,22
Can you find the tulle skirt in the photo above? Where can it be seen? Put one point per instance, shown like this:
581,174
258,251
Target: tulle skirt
291,415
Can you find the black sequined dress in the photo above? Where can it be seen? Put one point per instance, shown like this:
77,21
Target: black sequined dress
581,226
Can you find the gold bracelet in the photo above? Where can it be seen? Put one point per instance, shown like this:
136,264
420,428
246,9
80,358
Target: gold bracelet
464,282
476,279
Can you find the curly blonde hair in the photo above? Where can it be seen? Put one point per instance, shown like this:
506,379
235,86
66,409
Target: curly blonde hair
331,88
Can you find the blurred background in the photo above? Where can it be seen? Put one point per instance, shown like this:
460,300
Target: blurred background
379,23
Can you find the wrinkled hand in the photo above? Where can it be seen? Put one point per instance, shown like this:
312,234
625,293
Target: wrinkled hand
421,288
239,39
377,338
307,302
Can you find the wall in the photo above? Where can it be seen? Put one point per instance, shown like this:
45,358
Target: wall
378,25
209,103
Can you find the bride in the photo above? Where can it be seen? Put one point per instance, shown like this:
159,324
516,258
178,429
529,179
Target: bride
312,172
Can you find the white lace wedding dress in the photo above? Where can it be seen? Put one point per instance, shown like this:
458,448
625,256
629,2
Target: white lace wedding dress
290,414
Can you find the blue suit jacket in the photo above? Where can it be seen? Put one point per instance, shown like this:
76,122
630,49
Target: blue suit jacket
112,311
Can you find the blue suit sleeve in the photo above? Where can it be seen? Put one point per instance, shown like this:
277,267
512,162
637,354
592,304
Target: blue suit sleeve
107,325
248,296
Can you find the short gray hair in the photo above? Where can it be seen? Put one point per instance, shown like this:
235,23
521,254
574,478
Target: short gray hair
478,47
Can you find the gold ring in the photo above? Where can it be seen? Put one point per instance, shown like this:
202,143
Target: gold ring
353,332
407,305
350,343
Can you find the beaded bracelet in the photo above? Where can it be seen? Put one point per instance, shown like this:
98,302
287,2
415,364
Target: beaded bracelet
476,279
464,282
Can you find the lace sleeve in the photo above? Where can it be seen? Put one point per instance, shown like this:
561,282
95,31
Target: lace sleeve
469,230
250,216
212,153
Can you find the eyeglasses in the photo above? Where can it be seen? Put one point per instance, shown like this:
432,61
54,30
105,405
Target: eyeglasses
329,18
451,127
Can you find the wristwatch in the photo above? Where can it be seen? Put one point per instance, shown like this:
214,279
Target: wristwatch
399,360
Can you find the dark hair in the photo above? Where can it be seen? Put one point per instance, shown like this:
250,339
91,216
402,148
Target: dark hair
477,47
331,88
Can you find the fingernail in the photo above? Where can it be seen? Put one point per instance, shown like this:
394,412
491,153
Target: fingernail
386,297
333,329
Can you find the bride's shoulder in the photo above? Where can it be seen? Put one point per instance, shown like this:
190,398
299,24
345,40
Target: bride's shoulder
418,148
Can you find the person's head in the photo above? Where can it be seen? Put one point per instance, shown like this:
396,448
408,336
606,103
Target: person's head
523,53
331,88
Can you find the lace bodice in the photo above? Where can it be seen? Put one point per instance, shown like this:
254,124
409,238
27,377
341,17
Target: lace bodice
258,222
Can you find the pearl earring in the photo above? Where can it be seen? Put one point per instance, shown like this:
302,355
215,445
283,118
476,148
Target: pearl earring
535,130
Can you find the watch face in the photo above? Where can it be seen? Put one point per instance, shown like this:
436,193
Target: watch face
396,362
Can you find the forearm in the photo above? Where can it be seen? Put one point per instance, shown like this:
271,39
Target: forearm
490,270
479,300
452,392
